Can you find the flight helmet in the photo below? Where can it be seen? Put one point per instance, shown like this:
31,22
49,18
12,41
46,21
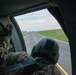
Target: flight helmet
46,48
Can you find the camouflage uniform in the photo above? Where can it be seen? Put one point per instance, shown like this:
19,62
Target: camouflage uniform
8,58
14,58
19,57
5,46
48,70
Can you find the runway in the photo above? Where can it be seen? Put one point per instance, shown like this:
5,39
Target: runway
64,62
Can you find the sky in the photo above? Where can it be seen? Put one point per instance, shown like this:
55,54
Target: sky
37,21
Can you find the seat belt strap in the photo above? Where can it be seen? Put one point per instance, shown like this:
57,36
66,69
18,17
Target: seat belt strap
26,63
29,62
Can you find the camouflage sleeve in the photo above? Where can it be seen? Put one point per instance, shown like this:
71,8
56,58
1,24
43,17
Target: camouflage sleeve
56,71
48,70
13,58
5,47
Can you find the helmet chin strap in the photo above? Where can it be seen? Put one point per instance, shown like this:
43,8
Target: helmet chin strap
9,27
8,19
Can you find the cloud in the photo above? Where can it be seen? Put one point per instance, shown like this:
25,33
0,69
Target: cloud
40,20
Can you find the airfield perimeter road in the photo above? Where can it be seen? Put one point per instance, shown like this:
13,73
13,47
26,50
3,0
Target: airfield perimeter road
64,63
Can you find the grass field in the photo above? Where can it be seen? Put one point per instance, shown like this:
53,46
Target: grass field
57,34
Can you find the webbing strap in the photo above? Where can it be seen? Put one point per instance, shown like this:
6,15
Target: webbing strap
24,64
18,66
8,17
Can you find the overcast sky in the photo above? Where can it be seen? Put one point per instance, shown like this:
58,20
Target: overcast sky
36,21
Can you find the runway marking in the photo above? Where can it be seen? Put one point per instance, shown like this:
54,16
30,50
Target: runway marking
57,63
62,41
30,41
35,39
62,69
57,39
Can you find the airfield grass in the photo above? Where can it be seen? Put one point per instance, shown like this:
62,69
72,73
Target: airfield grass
57,34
